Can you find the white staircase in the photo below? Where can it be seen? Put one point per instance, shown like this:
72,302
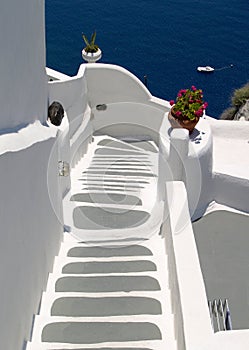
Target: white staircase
109,286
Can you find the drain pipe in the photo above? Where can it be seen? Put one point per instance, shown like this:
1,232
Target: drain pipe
178,153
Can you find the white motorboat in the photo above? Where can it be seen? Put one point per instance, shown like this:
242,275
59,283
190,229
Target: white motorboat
205,69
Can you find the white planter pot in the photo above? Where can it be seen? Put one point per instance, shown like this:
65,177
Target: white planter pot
91,57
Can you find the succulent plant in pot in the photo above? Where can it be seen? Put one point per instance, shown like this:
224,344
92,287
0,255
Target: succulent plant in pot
187,109
91,52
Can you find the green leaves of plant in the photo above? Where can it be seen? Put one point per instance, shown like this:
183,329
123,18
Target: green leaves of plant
90,45
93,38
85,40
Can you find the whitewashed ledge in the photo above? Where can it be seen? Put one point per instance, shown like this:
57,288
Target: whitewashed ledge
230,162
14,140
55,75
231,340
230,147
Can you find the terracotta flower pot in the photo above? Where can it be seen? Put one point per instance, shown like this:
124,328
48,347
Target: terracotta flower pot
182,123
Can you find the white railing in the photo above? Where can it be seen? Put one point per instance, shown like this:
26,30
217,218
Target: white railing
174,288
220,315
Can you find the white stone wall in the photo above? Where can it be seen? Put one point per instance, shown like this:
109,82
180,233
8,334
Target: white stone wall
23,96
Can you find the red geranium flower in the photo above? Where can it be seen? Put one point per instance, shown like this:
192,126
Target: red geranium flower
189,103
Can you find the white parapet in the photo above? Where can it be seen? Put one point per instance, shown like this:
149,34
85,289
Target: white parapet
193,326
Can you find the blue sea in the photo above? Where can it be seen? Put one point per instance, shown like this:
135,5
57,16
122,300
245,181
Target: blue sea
186,33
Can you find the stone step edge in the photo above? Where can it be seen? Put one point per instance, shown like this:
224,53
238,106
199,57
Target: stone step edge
149,242
146,345
99,138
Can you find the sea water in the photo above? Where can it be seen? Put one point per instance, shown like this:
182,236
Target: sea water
163,39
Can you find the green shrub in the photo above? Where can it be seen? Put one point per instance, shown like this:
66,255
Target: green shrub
238,99
229,113
240,96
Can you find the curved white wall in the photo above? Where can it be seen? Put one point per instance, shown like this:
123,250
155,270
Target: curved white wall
198,169
108,83
23,96
189,160
128,119
71,92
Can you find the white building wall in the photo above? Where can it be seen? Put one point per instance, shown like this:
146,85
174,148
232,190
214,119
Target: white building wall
23,96
30,213
30,227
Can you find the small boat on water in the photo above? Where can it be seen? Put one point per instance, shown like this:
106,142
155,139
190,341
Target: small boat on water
205,69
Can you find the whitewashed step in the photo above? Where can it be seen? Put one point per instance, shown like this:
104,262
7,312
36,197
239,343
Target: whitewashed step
104,265
104,283
152,243
95,252
96,224
78,330
154,299
108,266
118,165
108,141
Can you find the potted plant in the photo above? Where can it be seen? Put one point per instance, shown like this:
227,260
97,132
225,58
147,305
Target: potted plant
91,53
187,109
